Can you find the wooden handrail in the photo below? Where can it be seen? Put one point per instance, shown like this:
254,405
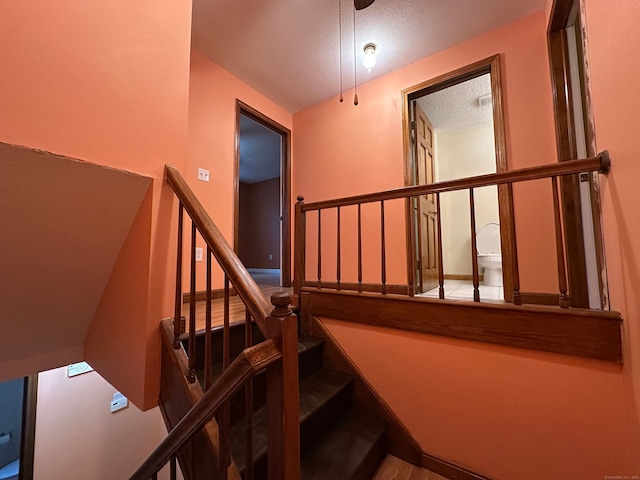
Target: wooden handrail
246,365
246,287
599,163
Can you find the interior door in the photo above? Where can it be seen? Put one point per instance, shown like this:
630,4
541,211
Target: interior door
426,208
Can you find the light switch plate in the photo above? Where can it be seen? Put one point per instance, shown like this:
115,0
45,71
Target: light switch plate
199,254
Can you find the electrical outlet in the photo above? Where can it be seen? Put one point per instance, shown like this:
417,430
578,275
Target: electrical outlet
198,254
270,257
119,402
203,174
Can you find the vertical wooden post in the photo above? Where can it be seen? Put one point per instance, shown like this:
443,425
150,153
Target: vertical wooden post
283,394
192,308
562,272
207,327
248,405
517,300
383,247
300,245
177,317
474,249
440,264
319,248
338,252
411,245
360,248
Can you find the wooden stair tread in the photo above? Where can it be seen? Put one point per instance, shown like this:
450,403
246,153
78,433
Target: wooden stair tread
316,391
352,450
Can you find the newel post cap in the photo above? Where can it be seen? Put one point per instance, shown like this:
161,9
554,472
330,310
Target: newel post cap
281,301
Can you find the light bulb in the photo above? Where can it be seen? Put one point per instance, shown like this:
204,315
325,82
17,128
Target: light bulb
369,56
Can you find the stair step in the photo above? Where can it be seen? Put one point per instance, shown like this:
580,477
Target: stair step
352,450
325,396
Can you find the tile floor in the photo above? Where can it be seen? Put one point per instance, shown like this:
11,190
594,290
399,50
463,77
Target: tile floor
463,290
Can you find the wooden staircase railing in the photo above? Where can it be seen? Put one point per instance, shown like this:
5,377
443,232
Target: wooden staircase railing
278,354
552,172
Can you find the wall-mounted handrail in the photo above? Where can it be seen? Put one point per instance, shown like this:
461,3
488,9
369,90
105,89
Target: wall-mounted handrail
246,287
599,163
245,366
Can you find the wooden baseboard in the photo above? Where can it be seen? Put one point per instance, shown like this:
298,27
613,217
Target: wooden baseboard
201,296
455,276
549,299
448,469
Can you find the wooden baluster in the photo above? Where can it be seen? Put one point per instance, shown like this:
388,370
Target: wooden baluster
173,471
474,249
192,308
319,247
154,476
208,380
224,420
359,248
177,317
517,300
562,274
440,264
384,250
283,432
338,252
411,245
248,406
299,258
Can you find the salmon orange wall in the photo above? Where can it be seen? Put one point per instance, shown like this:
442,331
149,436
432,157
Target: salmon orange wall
509,413
212,124
343,150
106,82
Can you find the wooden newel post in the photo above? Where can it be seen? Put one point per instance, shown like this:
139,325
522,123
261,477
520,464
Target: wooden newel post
299,253
283,414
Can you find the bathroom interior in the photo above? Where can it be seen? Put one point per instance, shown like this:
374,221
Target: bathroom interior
11,417
464,146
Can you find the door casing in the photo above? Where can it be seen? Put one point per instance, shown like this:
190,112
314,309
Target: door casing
285,186
490,65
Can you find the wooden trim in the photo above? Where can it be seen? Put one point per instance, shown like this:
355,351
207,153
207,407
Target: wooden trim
448,469
27,447
285,185
201,295
550,299
245,285
599,163
400,442
586,333
455,276
357,287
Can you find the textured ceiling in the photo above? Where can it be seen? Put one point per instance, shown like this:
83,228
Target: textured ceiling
259,152
289,49
457,107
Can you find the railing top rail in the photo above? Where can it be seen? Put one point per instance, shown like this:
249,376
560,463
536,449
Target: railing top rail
599,163
247,289
247,364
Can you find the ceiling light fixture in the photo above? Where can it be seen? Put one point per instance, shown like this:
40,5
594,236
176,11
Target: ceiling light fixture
369,59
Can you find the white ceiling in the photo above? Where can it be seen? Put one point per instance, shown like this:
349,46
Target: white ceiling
289,49
457,107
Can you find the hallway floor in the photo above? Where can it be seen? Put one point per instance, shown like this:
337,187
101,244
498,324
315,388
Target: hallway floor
463,290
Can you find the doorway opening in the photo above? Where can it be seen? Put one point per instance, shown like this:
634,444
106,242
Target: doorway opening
454,129
17,427
262,226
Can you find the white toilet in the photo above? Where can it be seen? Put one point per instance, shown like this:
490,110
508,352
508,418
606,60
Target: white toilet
10,471
489,254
